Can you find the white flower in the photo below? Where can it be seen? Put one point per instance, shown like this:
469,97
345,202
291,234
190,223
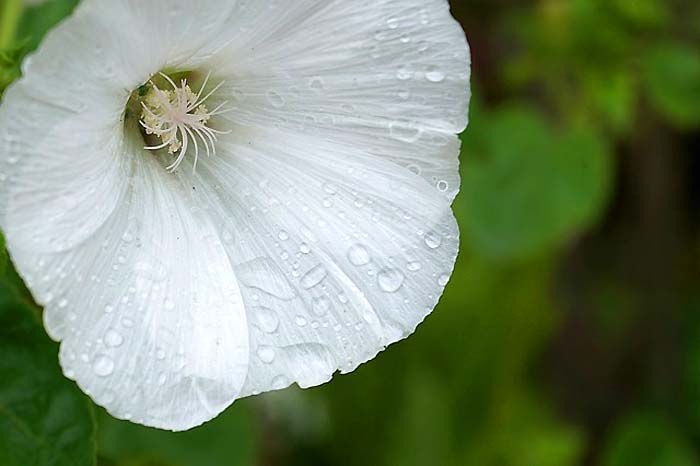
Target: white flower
316,229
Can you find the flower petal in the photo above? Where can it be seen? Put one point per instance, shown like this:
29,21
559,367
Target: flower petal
338,253
390,76
148,310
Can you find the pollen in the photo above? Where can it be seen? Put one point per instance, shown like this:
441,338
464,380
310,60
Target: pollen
180,119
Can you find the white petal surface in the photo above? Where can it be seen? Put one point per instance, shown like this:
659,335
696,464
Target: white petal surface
387,76
148,311
336,259
338,178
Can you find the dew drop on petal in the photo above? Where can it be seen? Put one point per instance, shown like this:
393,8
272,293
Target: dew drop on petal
390,280
433,240
321,306
300,321
266,319
414,266
443,279
103,366
434,75
313,277
266,354
275,99
113,338
358,255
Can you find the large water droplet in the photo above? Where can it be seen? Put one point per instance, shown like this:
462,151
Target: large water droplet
313,277
390,280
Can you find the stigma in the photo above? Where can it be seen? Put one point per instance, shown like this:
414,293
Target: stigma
179,119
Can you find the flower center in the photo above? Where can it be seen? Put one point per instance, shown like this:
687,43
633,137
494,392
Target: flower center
179,119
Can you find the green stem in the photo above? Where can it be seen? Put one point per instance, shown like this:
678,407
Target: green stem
10,14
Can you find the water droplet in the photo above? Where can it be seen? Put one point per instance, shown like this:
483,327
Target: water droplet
434,75
330,188
433,240
300,321
321,306
266,319
63,303
304,248
390,280
317,83
266,354
113,338
358,255
313,277
413,266
404,73
443,280
405,131
275,99
283,235
103,366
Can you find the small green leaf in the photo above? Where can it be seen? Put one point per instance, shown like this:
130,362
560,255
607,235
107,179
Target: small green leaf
44,419
528,188
672,76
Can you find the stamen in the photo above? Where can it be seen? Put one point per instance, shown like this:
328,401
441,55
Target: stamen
179,117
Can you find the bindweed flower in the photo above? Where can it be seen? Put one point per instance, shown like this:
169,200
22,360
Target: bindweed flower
213,199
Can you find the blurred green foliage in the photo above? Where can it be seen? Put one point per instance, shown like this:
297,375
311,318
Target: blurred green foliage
570,333
44,419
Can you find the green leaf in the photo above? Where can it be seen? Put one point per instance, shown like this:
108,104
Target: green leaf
44,419
227,440
38,20
648,440
672,77
527,188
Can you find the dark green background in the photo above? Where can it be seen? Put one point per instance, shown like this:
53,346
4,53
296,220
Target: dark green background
570,333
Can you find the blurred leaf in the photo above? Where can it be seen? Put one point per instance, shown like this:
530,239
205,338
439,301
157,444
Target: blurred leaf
672,76
38,20
611,99
648,440
643,12
527,434
225,441
10,61
44,419
526,188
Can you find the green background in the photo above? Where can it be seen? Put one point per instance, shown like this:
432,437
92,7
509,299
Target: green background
570,333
